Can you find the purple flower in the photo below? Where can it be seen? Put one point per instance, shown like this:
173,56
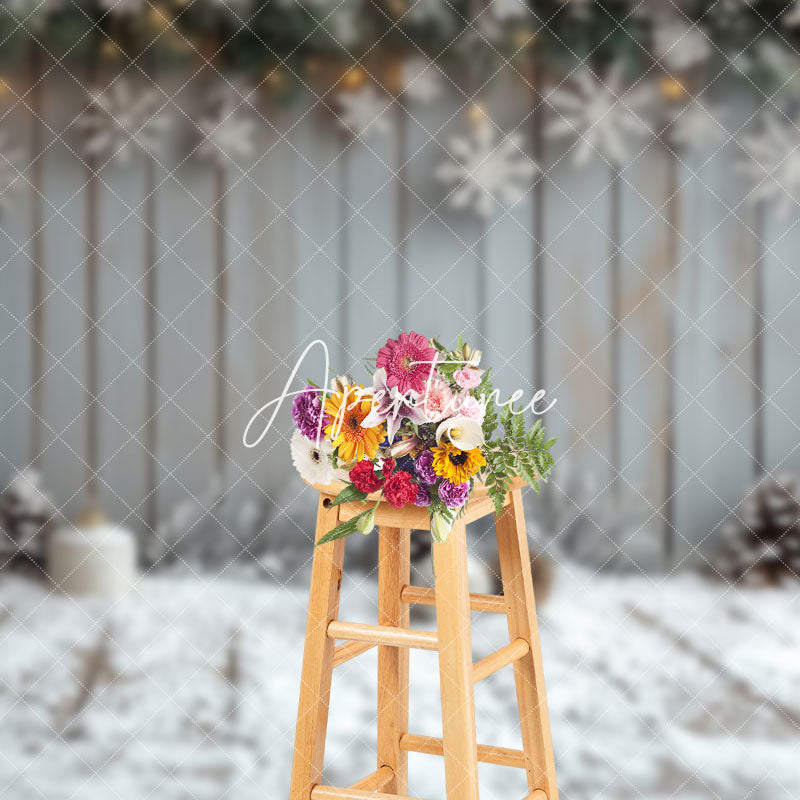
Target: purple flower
389,406
306,412
423,466
453,495
423,498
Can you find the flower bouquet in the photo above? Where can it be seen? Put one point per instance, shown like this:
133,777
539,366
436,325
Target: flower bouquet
425,431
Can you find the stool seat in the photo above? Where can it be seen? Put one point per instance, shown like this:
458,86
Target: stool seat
479,505
452,641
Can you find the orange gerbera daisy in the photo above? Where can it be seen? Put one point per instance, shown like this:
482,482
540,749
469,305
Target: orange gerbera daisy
347,410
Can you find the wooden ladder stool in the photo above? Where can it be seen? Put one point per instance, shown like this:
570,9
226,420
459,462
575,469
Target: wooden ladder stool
452,640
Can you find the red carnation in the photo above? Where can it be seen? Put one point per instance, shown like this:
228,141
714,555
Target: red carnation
364,478
399,490
387,468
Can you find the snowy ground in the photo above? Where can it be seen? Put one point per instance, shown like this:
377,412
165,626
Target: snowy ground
188,690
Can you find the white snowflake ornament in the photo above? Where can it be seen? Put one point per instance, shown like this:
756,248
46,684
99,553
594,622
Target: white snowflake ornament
122,119
486,171
773,162
696,126
678,45
603,114
421,80
362,111
228,129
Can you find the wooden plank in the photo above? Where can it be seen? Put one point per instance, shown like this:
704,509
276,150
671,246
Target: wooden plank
64,433
478,490
120,342
376,781
512,544
21,285
442,268
578,318
332,793
344,652
183,288
415,518
315,686
501,658
714,433
394,571
489,754
417,595
382,634
364,176
455,664
262,312
645,310
386,516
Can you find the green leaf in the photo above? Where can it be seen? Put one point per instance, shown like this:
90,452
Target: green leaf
345,529
348,495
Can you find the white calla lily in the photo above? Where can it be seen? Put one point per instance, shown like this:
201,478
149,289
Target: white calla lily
463,432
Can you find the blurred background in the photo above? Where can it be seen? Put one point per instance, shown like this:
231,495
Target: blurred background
601,196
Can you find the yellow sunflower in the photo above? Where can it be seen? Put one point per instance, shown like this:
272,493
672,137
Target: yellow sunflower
457,466
346,410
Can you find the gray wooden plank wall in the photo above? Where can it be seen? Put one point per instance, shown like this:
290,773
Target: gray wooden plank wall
322,239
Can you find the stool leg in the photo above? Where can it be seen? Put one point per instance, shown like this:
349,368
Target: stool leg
455,665
515,568
394,572
315,686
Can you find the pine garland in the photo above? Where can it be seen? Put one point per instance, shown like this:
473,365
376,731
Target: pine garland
260,36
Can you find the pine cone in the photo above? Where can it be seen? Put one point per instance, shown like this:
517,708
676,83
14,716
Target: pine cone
25,515
761,542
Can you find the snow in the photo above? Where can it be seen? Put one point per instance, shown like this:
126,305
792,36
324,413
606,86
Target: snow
187,688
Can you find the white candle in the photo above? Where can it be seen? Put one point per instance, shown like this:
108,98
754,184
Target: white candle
99,560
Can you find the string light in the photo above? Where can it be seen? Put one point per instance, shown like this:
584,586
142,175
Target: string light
476,112
110,50
275,79
158,18
523,38
671,89
354,78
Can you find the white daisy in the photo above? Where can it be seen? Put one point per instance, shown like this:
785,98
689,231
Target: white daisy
312,462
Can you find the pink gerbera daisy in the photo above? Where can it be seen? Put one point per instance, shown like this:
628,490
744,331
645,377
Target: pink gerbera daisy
407,361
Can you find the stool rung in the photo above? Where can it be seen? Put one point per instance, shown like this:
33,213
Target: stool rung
537,795
512,652
376,781
505,756
344,652
383,634
492,603
332,793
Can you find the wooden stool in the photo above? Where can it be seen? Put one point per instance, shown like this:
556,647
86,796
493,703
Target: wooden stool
452,640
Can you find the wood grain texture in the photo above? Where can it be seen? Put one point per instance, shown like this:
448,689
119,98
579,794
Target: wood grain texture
376,781
500,658
394,572
455,665
480,505
512,544
332,793
344,652
315,686
491,603
432,745
383,634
